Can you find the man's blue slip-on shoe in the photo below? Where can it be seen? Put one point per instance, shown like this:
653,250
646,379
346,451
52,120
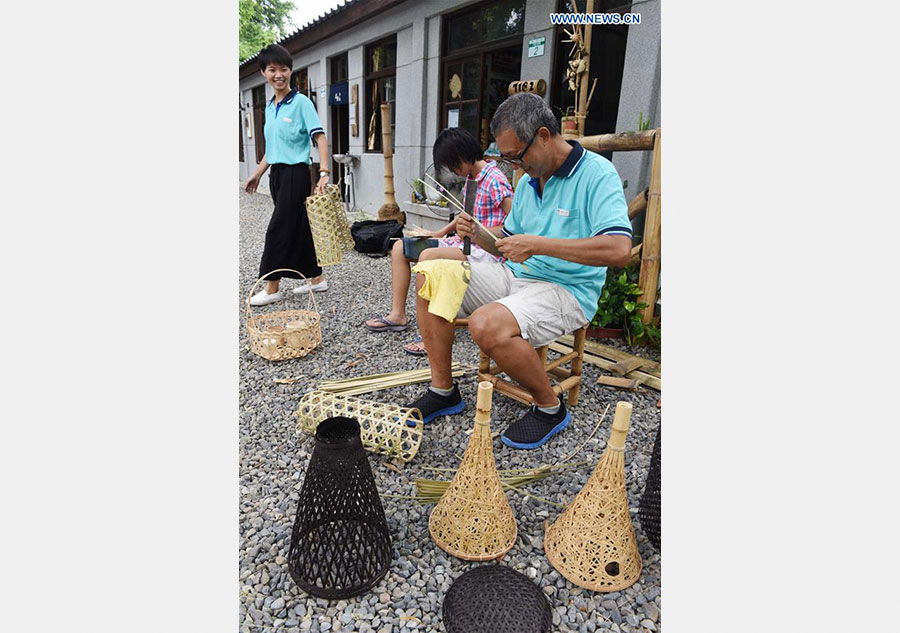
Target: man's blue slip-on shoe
536,427
434,405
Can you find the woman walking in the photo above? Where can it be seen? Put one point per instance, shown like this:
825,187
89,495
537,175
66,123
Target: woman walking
292,124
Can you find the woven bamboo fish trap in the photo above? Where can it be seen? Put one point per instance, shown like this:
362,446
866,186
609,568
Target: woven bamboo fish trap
592,543
285,333
473,519
328,223
384,428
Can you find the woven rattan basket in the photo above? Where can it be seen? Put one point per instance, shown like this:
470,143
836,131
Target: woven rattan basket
330,230
384,428
592,543
286,333
473,519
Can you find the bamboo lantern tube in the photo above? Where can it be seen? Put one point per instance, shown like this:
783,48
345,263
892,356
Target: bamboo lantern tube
473,519
592,542
384,428
650,257
390,210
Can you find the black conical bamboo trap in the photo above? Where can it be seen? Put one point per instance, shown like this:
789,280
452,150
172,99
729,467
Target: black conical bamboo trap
340,544
650,513
495,599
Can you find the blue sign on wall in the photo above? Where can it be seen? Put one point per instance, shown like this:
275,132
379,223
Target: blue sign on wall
338,94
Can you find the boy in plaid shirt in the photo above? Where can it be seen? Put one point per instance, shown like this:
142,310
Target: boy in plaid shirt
459,151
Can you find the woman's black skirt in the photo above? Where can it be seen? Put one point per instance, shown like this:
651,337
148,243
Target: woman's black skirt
289,242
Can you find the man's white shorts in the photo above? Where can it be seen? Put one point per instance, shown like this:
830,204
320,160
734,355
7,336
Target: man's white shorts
543,310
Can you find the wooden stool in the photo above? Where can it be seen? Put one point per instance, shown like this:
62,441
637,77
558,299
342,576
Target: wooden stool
568,379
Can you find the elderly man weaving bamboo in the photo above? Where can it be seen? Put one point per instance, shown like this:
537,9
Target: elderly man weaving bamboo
568,222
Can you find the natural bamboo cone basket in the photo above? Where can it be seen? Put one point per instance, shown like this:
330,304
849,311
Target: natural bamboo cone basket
592,543
390,210
384,428
328,223
473,519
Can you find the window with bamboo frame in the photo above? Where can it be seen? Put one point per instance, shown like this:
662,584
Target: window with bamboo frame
381,87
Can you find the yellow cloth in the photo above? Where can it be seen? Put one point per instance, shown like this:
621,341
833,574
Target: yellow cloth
446,281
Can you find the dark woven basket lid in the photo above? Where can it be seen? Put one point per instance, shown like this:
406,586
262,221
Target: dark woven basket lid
650,513
496,599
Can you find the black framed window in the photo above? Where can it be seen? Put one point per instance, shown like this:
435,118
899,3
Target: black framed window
381,87
484,24
482,54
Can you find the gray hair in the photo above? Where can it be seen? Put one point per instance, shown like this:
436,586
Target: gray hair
524,113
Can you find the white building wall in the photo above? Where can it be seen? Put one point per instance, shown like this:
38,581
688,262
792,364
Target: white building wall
418,28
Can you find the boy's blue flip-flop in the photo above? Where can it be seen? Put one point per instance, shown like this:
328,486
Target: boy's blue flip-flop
386,326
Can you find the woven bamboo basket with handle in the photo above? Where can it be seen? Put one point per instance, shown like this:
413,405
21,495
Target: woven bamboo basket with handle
328,223
286,333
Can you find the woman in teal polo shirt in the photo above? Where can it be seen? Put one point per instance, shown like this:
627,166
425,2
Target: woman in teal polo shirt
291,125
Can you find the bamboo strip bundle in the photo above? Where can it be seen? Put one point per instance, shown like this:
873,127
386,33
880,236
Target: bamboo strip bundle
473,520
431,490
384,428
592,543
377,382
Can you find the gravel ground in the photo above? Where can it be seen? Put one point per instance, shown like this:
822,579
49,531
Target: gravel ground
273,459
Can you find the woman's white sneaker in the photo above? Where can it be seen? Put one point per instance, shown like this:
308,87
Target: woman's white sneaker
302,289
262,298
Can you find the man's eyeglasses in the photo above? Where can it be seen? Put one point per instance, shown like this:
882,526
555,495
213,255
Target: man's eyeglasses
517,160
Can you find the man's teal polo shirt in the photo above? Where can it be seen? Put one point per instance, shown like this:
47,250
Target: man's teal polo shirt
291,125
583,198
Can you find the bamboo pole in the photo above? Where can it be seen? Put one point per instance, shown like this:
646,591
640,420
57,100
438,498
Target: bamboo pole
637,204
581,113
650,264
388,149
620,142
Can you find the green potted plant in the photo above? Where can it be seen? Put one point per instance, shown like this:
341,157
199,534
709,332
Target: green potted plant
619,311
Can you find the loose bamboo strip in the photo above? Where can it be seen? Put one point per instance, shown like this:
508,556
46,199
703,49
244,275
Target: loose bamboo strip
624,367
613,354
615,381
602,363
